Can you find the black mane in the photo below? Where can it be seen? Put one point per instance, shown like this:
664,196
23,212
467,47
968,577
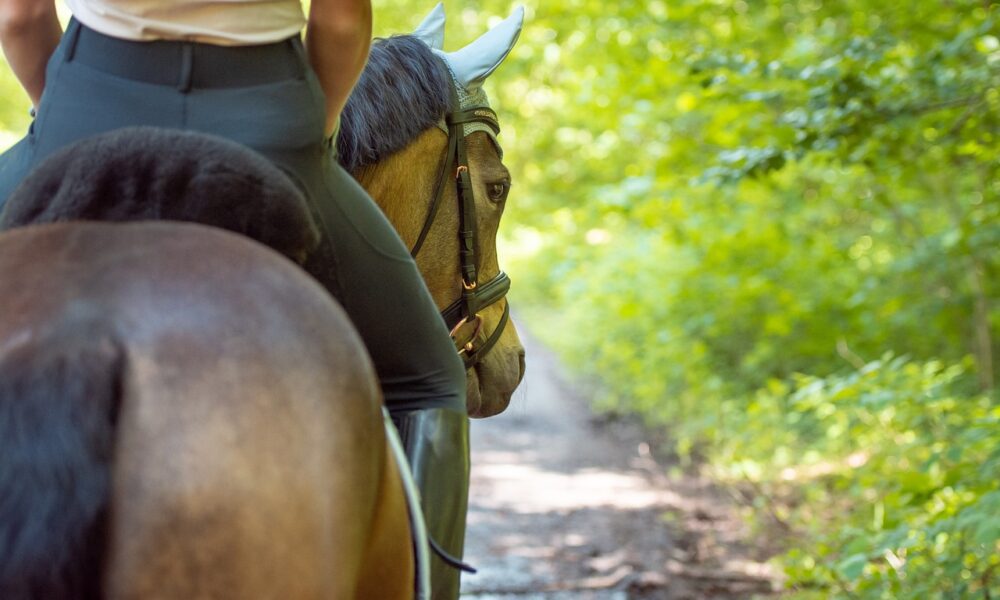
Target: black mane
404,90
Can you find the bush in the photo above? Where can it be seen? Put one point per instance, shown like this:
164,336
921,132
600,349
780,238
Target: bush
895,470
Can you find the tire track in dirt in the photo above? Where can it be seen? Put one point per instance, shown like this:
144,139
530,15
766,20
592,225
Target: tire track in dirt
563,508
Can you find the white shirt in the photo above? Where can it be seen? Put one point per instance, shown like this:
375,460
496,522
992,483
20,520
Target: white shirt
223,22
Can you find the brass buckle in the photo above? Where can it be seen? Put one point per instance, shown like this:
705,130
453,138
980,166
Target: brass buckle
461,169
467,347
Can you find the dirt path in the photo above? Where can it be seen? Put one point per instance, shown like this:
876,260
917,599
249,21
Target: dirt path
562,508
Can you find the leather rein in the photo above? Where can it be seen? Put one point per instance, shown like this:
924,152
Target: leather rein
463,314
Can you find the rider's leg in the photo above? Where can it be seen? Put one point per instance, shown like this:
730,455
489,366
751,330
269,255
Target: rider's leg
423,379
437,446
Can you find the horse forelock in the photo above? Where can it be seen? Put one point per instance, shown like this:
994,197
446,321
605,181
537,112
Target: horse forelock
404,90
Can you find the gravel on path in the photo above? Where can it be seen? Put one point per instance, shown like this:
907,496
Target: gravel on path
563,507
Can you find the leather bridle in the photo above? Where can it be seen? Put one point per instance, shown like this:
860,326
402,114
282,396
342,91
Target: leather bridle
463,314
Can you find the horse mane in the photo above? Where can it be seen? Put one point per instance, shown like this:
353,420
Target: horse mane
147,173
404,90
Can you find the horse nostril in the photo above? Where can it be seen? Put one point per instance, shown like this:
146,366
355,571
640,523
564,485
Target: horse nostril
520,362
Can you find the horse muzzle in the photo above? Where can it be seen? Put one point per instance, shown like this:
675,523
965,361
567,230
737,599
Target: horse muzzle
494,378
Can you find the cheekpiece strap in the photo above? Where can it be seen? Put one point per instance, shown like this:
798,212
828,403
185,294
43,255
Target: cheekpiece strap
466,209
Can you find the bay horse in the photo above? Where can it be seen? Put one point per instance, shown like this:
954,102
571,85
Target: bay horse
374,567
416,116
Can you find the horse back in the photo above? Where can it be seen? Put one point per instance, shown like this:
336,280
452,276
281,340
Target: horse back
244,450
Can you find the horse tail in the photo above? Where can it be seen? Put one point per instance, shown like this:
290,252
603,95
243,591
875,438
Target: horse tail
60,392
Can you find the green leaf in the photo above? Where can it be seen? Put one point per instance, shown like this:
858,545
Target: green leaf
852,567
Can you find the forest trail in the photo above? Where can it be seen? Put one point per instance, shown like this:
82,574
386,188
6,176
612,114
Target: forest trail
562,507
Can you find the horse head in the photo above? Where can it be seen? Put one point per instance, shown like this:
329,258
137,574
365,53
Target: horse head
419,134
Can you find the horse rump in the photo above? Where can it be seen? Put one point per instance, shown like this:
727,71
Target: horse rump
59,400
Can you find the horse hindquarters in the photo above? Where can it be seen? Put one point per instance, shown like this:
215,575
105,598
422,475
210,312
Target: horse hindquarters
59,400
55,493
228,440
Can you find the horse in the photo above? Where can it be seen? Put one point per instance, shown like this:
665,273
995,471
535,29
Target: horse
483,183
404,132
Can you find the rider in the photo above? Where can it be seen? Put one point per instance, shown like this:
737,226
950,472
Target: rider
239,70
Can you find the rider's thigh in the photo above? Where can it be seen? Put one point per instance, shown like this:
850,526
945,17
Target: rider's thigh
386,298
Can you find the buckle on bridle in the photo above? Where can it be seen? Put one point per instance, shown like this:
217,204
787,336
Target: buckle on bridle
461,169
467,347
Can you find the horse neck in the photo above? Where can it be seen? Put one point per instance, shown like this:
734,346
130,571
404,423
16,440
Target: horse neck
403,185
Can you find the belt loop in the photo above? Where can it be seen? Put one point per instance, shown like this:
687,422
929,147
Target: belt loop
72,37
297,49
187,66
302,59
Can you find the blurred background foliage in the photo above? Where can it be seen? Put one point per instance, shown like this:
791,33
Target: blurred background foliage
770,229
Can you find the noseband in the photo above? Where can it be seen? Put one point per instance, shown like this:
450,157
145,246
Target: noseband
463,314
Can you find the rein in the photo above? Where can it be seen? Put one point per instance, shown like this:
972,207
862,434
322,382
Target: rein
463,314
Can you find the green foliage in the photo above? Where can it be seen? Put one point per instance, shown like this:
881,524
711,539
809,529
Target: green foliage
895,467
725,196
14,105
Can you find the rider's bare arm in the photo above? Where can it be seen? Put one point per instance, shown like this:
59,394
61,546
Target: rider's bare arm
337,38
29,33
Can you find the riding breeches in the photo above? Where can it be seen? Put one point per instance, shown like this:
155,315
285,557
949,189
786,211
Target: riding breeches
267,98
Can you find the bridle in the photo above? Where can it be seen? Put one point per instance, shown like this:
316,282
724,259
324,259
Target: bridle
463,314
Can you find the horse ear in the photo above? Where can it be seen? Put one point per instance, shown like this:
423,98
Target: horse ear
431,29
474,63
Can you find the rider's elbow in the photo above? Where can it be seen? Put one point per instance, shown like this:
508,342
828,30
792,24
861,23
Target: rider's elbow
23,17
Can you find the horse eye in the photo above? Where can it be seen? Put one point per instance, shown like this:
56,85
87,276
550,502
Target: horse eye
498,191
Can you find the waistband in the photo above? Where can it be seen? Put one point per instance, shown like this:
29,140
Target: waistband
185,65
